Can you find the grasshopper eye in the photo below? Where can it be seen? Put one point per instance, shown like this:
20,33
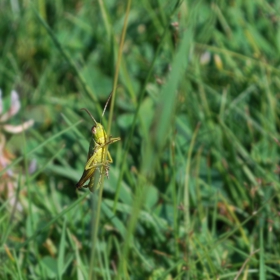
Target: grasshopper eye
93,130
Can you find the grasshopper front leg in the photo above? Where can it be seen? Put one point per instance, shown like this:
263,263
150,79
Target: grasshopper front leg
110,141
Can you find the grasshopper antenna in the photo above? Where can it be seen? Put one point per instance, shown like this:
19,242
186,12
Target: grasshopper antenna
107,102
90,114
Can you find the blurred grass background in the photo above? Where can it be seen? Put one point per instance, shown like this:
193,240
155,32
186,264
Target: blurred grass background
193,191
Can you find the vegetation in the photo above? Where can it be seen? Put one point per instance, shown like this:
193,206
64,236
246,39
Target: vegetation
193,191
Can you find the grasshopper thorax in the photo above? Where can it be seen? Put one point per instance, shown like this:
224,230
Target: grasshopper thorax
99,133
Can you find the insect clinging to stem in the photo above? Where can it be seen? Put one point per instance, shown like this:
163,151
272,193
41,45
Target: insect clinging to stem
97,161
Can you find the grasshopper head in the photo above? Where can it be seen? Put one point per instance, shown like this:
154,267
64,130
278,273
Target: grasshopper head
98,133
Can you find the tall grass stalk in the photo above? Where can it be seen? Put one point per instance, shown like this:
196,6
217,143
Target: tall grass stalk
95,221
187,192
159,132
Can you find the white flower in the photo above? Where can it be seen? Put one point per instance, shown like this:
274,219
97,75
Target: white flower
14,108
9,179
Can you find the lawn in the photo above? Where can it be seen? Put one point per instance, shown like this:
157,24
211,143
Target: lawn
193,190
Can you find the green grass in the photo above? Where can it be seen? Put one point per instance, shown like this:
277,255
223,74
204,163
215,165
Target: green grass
193,192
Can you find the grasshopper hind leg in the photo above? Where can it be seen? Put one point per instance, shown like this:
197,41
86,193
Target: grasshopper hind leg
95,181
95,177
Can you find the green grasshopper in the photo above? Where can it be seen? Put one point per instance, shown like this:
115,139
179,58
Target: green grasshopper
97,161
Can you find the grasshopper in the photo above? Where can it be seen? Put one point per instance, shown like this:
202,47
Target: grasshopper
97,161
